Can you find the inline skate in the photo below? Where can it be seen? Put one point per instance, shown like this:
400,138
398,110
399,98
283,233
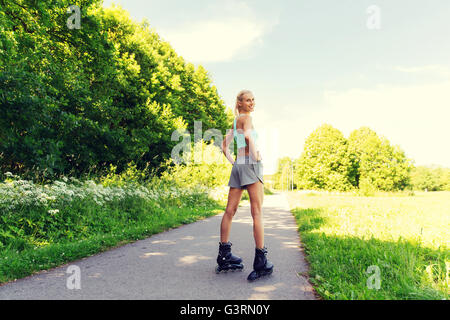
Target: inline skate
226,260
261,266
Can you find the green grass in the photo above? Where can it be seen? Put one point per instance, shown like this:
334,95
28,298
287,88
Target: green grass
404,237
32,239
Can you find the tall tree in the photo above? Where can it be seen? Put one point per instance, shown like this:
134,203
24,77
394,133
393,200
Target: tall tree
325,162
77,100
379,164
430,178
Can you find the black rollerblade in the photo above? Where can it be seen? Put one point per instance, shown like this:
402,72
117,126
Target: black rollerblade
261,266
226,260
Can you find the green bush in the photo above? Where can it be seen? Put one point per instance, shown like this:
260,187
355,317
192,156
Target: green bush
430,178
204,165
366,188
73,102
42,226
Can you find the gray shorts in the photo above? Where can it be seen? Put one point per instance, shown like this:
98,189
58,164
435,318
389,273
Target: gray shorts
245,172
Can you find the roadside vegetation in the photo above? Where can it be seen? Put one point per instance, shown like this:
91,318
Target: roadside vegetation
387,246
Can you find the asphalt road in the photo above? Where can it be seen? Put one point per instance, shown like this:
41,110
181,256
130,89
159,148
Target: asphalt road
179,265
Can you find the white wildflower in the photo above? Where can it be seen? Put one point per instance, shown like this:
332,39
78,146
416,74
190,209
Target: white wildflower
53,212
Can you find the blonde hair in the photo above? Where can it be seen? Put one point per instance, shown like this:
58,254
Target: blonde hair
239,98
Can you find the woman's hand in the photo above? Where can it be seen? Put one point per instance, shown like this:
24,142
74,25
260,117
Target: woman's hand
259,157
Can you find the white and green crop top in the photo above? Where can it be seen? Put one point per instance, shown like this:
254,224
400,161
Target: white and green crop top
240,138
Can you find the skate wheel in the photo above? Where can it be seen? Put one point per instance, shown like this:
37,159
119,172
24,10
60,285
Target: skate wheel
254,275
231,268
220,270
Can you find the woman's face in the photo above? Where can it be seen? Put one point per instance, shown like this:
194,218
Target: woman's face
248,103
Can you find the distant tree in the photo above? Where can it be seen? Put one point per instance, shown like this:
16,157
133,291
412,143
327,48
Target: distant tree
431,178
325,162
445,178
377,163
282,176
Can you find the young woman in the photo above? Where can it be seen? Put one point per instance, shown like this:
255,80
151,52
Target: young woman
247,173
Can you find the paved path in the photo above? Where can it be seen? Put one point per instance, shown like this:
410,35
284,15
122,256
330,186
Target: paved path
179,264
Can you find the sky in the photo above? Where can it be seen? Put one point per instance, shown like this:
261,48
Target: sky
381,63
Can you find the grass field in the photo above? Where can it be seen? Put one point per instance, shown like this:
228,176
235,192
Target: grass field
390,246
44,226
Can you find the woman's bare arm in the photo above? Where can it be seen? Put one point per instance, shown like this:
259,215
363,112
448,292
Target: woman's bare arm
248,127
226,142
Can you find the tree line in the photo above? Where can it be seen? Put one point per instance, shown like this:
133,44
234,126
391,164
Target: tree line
364,161
109,93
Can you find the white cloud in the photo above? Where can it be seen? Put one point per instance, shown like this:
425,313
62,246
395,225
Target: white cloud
231,27
434,69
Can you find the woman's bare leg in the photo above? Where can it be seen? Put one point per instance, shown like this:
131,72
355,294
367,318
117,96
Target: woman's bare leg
256,193
234,197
